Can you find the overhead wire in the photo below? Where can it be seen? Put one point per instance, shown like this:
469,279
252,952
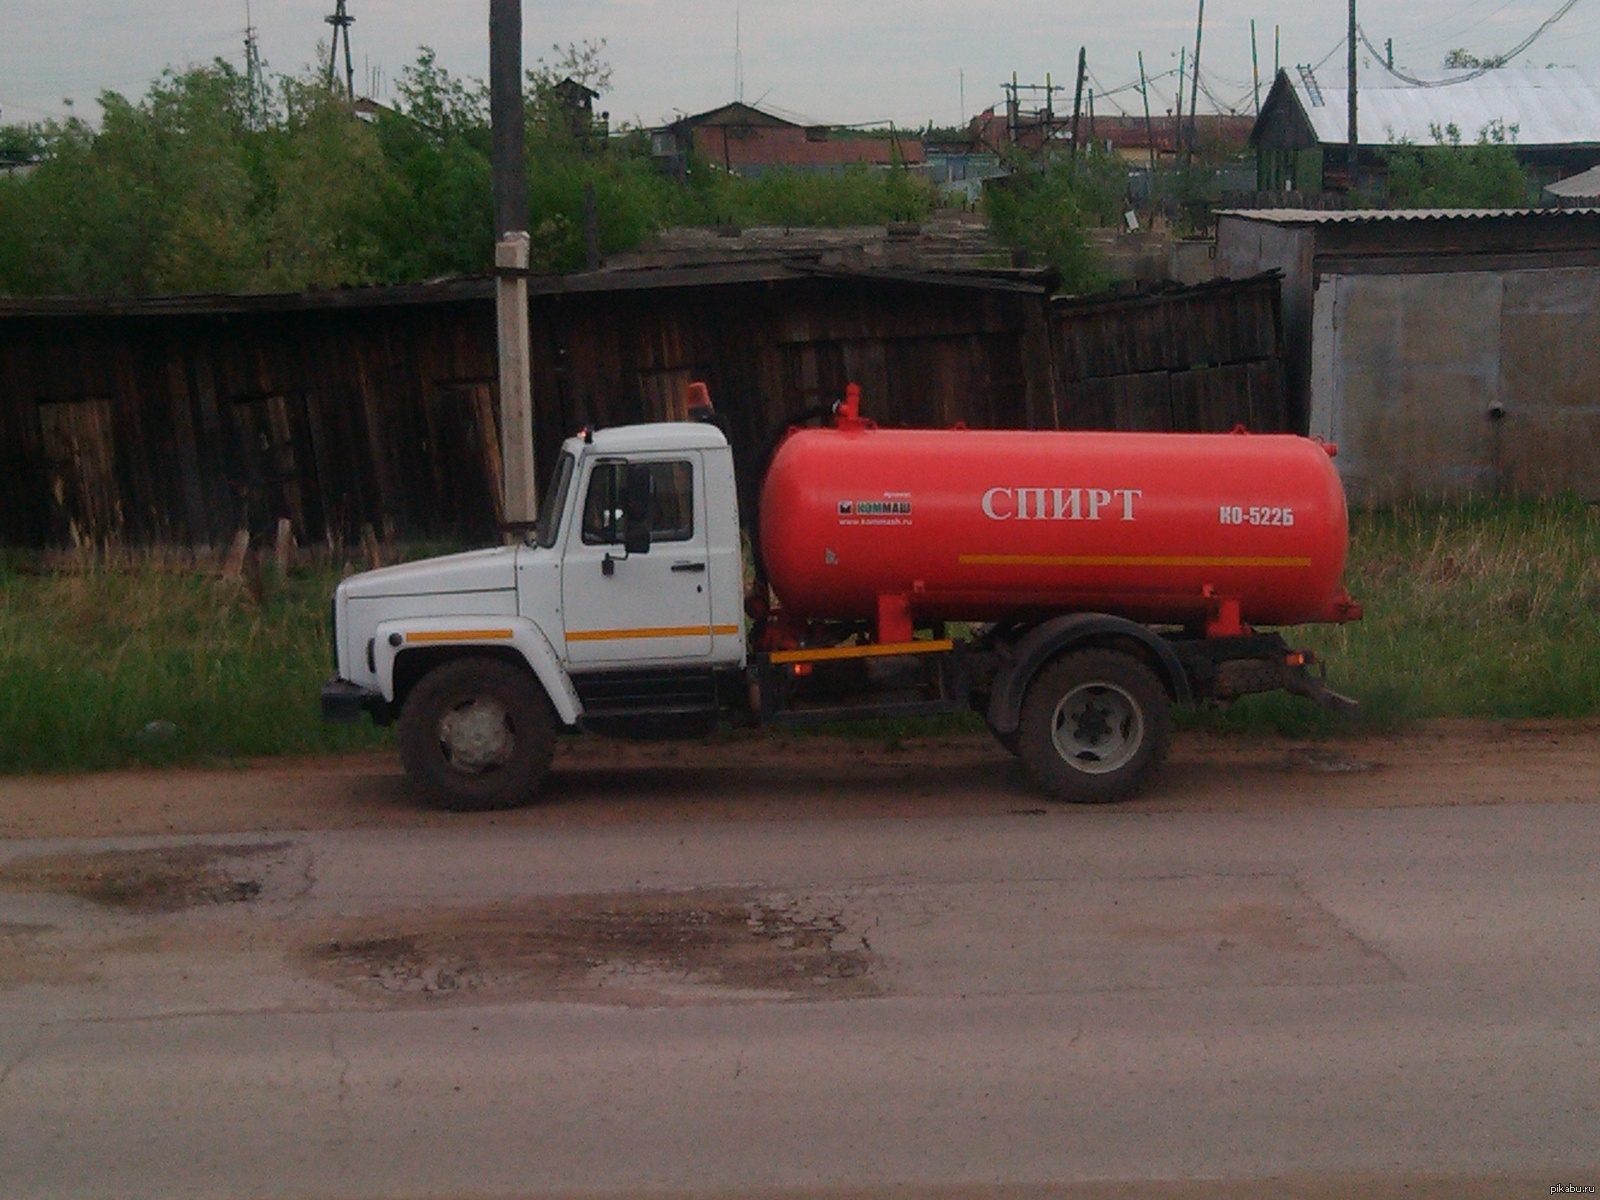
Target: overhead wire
1494,62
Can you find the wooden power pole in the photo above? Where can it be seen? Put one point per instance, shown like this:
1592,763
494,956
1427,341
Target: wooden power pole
1355,137
1077,96
509,165
1194,94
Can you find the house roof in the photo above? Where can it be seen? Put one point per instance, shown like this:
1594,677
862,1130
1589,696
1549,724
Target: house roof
1555,106
738,115
1578,187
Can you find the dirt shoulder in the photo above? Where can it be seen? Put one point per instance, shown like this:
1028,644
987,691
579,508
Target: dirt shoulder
765,777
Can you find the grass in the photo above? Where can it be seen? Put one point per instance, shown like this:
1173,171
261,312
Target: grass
105,668
1486,609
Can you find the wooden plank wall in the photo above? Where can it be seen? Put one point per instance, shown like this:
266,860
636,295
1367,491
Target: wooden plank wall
182,428
1202,360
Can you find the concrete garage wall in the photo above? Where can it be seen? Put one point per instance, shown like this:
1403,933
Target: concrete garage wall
1408,371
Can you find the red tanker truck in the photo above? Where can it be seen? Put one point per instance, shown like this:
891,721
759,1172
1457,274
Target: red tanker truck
1070,587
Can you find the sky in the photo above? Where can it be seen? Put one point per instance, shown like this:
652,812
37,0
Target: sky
846,62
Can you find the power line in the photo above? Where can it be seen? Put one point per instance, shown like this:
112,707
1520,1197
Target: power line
1493,63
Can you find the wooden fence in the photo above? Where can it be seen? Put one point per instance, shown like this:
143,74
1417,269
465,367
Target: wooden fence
178,422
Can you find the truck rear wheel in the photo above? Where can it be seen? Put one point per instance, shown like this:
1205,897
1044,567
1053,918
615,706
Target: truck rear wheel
1095,725
476,735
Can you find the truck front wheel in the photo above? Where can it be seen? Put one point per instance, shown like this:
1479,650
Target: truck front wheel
477,734
1095,725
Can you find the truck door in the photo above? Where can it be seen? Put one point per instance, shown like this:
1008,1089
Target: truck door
654,606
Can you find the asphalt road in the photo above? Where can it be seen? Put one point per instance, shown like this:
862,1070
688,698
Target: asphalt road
1008,1001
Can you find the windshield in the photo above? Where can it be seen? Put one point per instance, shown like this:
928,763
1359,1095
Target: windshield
555,498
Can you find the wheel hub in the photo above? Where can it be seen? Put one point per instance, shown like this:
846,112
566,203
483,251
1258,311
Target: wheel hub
476,736
1097,727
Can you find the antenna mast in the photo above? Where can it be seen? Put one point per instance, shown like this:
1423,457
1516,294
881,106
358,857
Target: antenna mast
254,76
341,22
738,61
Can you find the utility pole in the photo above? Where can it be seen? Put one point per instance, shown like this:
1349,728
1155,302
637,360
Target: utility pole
1077,99
1177,144
341,22
1255,65
1149,125
1354,132
1011,109
1194,95
508,162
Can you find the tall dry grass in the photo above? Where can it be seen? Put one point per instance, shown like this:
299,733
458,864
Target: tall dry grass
159,661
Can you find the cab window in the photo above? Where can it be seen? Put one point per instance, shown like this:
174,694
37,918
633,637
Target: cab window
671,503
555,499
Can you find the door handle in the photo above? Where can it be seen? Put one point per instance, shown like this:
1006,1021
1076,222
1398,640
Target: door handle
695,567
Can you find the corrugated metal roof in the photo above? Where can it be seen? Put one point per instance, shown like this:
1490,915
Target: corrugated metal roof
1555,106
1578,187
1305,216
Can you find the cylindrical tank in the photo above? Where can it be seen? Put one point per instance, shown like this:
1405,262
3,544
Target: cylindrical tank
988,525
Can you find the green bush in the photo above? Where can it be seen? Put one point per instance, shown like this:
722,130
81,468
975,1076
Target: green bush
1045,210
1448,174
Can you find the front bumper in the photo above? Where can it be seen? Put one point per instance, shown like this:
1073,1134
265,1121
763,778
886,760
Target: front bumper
343,703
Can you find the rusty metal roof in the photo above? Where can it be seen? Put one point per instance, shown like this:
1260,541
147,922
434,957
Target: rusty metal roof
1554,106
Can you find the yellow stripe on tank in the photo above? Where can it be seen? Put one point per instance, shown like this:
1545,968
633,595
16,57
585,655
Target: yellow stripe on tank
1124,560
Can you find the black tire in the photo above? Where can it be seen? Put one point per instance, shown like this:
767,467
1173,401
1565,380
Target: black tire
477,734
1096,724
1011,742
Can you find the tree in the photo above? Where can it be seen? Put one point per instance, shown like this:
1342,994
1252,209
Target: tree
1448,174
1457,60
157,199
1045,210
440,220
331,188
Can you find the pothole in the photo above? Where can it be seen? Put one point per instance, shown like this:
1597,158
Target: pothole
159,880
638,948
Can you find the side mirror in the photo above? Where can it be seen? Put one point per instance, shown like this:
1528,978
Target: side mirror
637,494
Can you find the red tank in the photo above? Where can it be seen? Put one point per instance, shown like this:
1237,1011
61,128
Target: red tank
906,526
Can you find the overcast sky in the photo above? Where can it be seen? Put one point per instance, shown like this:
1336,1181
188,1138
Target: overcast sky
828,61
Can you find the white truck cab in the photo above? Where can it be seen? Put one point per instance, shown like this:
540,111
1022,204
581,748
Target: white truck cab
625,603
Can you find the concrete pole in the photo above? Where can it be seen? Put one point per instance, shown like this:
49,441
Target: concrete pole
516,395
